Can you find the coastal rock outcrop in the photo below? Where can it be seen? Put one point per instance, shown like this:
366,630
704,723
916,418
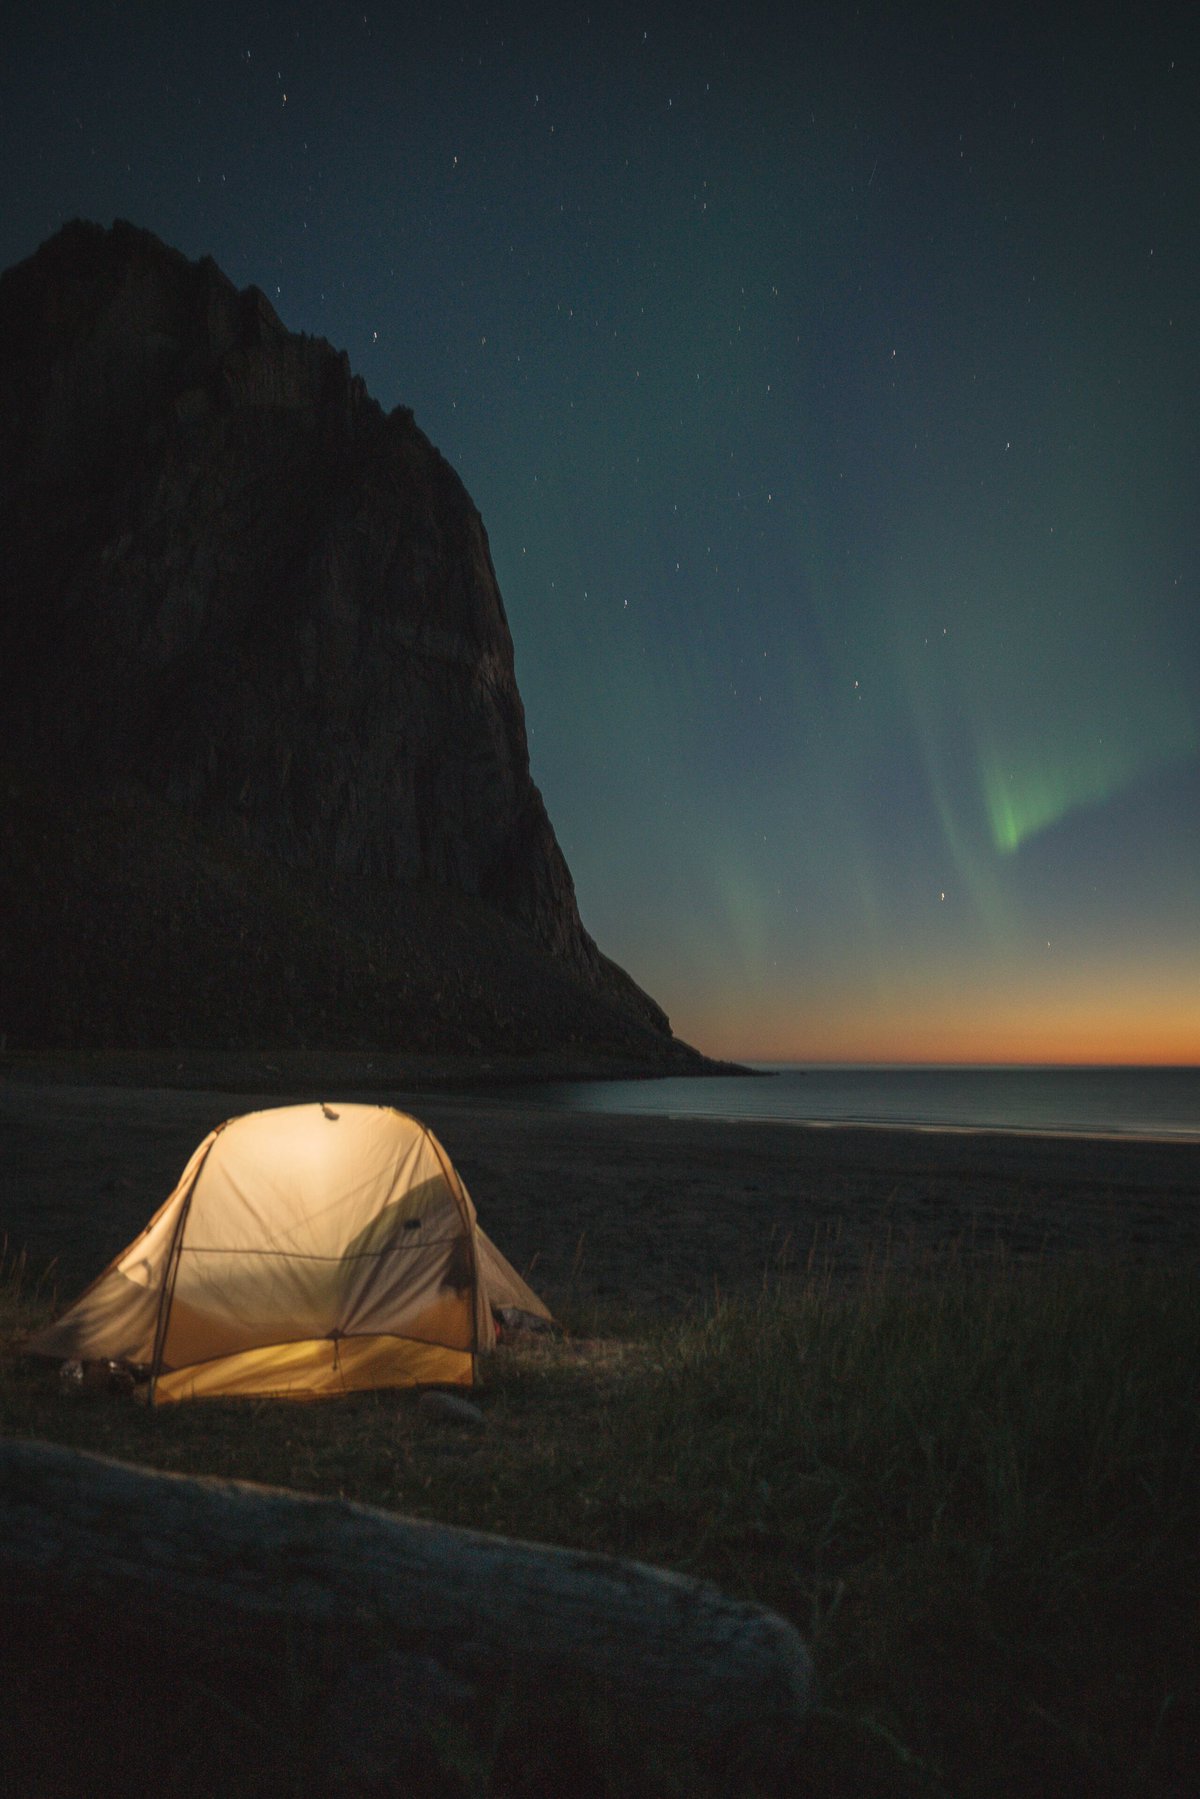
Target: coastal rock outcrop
251,621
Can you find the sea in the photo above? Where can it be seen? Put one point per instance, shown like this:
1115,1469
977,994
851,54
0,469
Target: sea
1160,1103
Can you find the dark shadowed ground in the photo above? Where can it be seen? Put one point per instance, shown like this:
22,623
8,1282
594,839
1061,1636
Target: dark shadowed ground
646,1210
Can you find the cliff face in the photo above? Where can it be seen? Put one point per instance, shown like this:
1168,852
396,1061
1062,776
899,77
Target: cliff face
233,586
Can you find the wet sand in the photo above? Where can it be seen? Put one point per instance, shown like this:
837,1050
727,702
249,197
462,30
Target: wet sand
649,1211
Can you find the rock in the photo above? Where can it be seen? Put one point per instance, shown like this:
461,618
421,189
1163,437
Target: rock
251,620
273,1643
448,1408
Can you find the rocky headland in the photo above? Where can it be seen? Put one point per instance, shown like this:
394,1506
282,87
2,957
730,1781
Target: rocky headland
264,777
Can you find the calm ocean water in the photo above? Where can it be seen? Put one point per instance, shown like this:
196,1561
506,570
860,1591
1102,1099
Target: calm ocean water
1138,1102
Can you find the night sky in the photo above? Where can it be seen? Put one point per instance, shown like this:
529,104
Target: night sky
830,394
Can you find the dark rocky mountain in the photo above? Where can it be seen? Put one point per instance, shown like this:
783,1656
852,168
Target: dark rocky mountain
263,759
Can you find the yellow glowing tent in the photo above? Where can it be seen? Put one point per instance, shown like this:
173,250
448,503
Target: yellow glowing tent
306,1251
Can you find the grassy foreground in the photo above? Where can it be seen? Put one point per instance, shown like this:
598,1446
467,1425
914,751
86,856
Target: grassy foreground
976,1494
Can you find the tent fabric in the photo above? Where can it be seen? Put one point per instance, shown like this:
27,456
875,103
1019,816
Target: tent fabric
306,1251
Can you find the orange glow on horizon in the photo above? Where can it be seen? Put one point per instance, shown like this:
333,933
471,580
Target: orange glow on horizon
1075,1030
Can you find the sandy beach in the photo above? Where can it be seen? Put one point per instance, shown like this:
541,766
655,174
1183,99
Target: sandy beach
644,1210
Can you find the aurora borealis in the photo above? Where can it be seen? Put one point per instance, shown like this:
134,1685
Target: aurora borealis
829,389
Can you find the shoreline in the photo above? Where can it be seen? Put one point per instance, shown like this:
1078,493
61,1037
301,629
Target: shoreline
640,1210
287,1071
288,1076
931,1127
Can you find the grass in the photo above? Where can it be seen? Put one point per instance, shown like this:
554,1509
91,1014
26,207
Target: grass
976,1494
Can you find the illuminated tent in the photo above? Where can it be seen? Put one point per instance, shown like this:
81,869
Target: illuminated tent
307,1251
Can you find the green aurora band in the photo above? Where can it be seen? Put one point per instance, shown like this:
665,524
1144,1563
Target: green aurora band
1023,800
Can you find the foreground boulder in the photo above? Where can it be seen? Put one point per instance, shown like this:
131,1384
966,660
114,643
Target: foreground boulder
244,1639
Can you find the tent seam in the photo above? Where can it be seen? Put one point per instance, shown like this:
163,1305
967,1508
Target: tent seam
168,1292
